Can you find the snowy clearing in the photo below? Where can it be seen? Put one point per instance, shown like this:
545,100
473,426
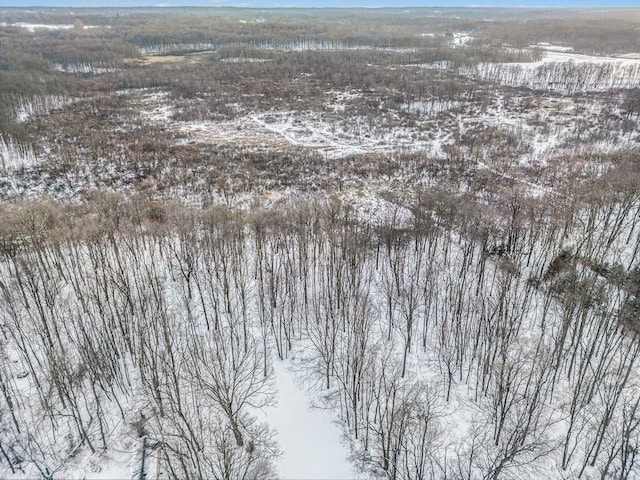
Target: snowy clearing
34,27
309,437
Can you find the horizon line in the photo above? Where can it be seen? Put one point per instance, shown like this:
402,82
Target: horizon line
326,7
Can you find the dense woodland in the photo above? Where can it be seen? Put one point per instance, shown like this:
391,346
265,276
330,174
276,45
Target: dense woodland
437,227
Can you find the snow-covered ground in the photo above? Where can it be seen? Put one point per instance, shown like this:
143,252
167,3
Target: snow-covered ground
561,70
552,48
30,106
329,134
34,27
14,156
543,129
555,54
461,39
310,438
82,68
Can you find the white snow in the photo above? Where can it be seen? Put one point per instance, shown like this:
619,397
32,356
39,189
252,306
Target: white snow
331,136
15,155
33,27
40,105
552,48
433,129
159,112
310,439
439,65
328,45
461,39
245,60
561,71
82,67
173,47
568,56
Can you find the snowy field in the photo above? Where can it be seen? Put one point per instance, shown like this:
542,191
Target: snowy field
35,27
310,438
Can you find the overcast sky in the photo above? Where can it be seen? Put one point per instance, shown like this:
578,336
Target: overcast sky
316,3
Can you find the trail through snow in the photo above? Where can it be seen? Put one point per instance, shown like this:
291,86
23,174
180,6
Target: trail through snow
309,438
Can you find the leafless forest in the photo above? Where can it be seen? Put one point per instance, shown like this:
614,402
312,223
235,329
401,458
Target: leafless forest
433,215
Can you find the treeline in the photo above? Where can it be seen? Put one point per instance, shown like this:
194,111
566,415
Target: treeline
592,32
566,78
